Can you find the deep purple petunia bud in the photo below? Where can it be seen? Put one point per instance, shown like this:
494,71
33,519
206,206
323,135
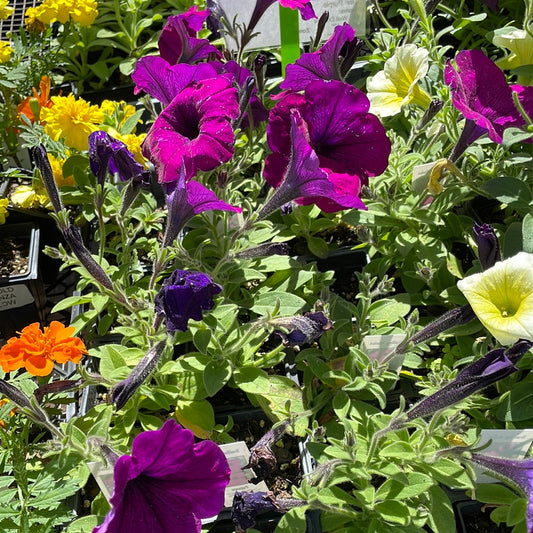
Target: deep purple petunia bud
43,164
262,459
304,329
454,317
184,295
434,107
73,238
125,389
264,250
248,505
107,153
492,367
488,246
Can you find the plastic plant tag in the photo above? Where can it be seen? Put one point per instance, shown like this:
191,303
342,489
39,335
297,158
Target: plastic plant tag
353,12
506,444
236,453
419,181
378,347
12,296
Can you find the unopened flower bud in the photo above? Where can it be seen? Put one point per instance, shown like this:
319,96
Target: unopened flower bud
264,250
488,246
43,164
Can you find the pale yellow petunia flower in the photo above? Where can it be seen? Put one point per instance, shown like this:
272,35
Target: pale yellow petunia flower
397,84
502,298
520,44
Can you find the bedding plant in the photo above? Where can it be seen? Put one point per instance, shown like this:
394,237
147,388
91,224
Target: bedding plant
199,246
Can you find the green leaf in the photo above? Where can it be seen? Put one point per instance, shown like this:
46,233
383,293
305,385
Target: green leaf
388,310
494,493
70,302
514,135
516,406
198,416
201,338
318,247
393,511
441,517
511,191
216,375
415,485
290,304
400,450
527,233
83,525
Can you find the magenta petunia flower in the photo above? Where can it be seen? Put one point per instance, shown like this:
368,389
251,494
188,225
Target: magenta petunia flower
155,76
194,130
184,295
167,484
186,199
350,142
481,93
178,42
324,64
304,179
303,6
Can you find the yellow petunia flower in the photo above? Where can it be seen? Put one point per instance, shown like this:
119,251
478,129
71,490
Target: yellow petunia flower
520,44
27,197
502,298
71,120
5,51
397,84
5,10
4,202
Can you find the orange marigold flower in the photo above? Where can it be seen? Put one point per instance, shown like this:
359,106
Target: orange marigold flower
42,99
37,350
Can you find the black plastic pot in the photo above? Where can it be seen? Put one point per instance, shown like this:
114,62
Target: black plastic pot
22,296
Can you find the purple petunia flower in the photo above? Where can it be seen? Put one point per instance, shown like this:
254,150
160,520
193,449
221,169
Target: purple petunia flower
194,130
184,295
304,180
167,484
481,93
324,64
178,42
519,473
186,199
488,246
351,144
107,153
495,365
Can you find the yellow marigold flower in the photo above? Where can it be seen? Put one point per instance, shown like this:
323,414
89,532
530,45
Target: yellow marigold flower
4,202
117,112
27,197
51,11
520,44
37,350
71,120
133,142
397,84
57,170
84,12
5,51
32,22
5,10
502,298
